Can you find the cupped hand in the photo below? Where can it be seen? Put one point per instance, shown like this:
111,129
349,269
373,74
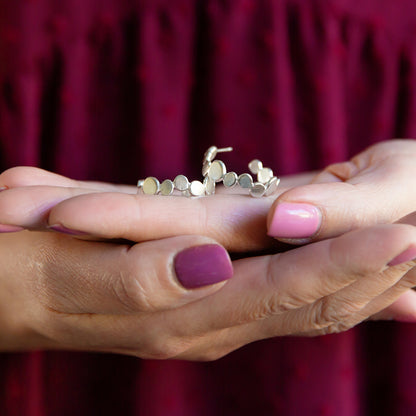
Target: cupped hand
58,292
242,232
51,285
377,186
37,200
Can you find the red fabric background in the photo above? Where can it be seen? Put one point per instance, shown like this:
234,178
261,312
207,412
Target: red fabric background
118,89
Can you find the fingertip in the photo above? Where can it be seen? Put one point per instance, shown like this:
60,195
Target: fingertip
294,221
20,176
203,265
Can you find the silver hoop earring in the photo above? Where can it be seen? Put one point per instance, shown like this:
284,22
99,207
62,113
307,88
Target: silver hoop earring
214,171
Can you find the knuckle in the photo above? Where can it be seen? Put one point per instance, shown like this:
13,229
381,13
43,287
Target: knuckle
131,293
278,304
332,315
140,286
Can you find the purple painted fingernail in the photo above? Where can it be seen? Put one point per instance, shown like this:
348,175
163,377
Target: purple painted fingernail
64,230
6,228
407,255
203,265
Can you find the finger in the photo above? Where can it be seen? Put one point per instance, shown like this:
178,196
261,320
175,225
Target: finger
353,266
402,309
28,207
377,186
241,227
23,176
257,301
396,303
236,221
83,277
380,298
337,312
239,221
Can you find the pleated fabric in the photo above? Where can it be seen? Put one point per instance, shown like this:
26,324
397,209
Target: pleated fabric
115,90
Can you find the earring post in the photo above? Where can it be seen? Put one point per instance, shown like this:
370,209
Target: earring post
225,149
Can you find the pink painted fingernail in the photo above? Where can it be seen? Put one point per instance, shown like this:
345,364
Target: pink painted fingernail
64,230
294,221
6,228
202,266
407,255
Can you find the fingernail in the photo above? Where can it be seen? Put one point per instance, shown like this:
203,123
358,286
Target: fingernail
64,230
3,188
407,255
294,221
6,228
202,266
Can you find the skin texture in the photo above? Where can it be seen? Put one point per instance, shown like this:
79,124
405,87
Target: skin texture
94,292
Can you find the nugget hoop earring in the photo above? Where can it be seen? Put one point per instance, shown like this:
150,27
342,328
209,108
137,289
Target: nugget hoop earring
213,172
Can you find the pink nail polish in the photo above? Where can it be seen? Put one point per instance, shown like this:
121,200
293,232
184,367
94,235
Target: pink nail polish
407,255
64,230
6,228
294,221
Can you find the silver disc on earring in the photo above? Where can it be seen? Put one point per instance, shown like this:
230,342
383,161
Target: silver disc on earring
272,186
217,170
197,188
230,179
245,181
264,175
140,183
151,186
255,166
209,186
181,183
167,187
258,190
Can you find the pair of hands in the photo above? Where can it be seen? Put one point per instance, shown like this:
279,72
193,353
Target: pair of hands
94,291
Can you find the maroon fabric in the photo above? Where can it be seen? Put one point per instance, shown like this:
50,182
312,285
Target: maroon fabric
118,89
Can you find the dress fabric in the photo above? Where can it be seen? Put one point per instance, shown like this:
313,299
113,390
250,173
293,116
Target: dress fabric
115,90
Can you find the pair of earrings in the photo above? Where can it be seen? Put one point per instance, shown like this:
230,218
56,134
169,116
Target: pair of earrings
214,171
